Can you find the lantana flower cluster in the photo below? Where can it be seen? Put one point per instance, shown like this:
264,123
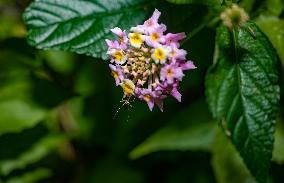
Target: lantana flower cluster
147,63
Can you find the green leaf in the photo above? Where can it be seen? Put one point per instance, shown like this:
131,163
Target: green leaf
198,137
182,137
24,109
32,176
36,153
278,151
273,27
18,111
81,26
17,115
14,144
275,7
227,163
60,61
242,92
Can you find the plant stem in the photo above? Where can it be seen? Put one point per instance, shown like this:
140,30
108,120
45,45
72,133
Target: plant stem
194,32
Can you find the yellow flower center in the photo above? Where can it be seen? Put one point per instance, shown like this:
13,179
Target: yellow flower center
118,55
173,53
128,87
154,36
159,53
114,74
147,97
136,38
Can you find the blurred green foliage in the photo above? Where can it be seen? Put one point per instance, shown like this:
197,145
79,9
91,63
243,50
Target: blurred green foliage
57,111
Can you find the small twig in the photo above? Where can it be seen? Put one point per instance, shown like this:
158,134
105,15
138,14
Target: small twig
194,32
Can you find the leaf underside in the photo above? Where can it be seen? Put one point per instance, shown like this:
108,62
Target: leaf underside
80,26
243,93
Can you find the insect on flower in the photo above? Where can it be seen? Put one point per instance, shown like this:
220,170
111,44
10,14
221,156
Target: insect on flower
147,63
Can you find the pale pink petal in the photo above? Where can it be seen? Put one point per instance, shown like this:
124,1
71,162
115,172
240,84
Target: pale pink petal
188,65
178,74
156,15
150,105
176,94
117,31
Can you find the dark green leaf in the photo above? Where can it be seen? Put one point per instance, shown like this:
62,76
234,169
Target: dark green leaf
81,26
243,94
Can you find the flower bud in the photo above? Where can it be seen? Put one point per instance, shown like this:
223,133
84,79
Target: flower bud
234,17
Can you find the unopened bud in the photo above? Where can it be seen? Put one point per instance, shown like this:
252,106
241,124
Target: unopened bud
154,68
142,58
145,50
131,59
140,82
146,73
234,17
126,70
134,73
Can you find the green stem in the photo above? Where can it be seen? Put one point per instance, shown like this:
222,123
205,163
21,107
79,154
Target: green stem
194,32
207,21
235,36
